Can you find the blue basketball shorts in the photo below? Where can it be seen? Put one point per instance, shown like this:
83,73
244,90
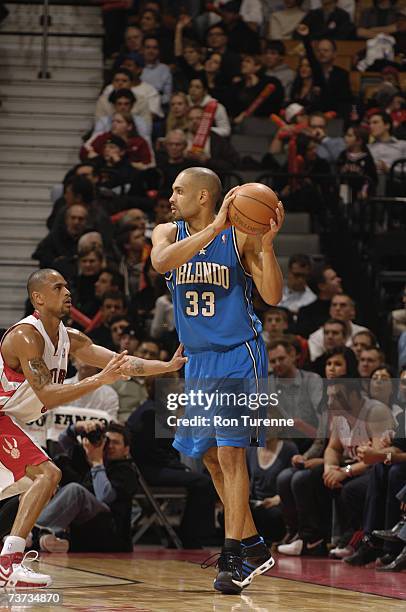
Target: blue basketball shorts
226,411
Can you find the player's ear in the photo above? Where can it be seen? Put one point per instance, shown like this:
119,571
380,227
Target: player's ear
204,196
37,298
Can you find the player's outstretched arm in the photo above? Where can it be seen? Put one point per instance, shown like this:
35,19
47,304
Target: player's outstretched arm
98,356
28,347
167,255
261,261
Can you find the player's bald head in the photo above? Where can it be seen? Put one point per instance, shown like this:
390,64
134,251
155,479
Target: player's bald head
204,178
40,278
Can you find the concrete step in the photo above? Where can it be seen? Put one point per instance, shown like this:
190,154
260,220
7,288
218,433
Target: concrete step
22,228
30,154
29,210
290,244
10,314
26,42
15,290
47,123
51,105
27,191
41,138
27,173
37,88
17,272
58,59
13,249
296,223
81,74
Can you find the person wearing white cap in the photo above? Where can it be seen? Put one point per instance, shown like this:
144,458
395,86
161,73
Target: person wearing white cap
295,114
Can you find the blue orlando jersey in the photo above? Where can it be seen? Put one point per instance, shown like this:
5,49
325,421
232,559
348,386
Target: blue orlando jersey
212,296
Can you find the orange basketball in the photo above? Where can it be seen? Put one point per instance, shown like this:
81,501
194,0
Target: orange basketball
252,208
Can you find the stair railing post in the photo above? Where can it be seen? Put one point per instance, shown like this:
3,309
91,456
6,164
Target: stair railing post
45,21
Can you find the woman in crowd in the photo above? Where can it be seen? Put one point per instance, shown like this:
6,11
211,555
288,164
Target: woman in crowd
122,125
383,387
178,111
305,473
305,88
264,465
198,96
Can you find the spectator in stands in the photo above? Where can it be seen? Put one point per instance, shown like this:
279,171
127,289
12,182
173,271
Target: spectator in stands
334,82
241,38
295,116
148,103
299,392
161,465
284,23
328,148
178,110
98,498
162,324
123,126
383,387
83,286
342,307
129,341
306,89
188,54
217,40
133,39
334,335
143,303
151,25
275,67
134,250
251,84
275,325
62,239
114,164
361,341
356,165
325,283
385,149
155,73
122,101
112,303
356,420
329,21
118,324
370,359
378,19
295,481
132,393
264,466
172,160
198,96
218,154
109,280
296,292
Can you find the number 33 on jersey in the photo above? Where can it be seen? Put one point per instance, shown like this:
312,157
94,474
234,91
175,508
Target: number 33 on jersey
211,296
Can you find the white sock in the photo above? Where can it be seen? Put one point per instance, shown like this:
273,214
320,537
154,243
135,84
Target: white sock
13,544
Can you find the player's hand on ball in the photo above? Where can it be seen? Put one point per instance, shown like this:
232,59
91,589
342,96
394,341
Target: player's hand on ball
178,360
114,369
268,238
222,221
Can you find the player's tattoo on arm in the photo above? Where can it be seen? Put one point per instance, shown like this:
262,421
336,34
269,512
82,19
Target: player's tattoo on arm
135,367
41,376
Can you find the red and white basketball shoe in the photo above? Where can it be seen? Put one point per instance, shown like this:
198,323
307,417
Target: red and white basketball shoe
14,573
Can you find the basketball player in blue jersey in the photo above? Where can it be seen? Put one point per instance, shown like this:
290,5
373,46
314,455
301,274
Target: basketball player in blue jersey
210,267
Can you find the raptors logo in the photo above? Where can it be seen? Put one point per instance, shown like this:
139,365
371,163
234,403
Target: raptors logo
11,448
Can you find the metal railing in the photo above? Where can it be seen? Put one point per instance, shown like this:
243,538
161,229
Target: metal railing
46,22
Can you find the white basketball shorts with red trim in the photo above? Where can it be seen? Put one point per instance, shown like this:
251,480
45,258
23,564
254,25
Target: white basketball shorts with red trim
17,451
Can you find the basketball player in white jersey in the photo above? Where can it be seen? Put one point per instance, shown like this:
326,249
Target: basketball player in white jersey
33,363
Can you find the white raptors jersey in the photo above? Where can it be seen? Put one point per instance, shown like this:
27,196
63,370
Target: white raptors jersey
356,434
17,398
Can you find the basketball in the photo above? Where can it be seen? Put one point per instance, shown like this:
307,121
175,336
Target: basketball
252,208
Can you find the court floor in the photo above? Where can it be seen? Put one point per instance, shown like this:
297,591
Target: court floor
158,580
